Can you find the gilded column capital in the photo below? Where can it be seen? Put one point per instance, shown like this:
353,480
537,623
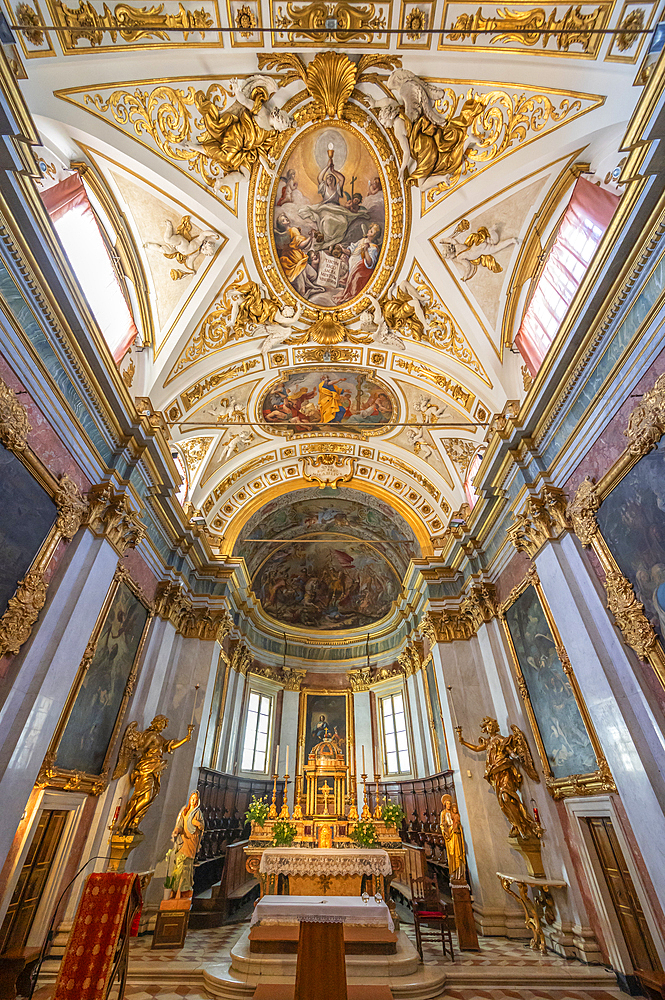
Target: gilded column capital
170,602
201,623
543,519
111,516
241,659
14,424
582,511
360,680
293,678
629,614
646,424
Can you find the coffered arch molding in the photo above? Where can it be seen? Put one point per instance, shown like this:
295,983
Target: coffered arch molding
235,526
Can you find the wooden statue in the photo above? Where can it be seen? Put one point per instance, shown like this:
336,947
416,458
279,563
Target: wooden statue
451,828
189,828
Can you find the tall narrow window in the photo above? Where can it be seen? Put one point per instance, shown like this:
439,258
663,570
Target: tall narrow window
394,735
586,219
257,728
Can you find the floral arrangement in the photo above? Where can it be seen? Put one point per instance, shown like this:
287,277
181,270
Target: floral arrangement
258,811
283,833
364,834
392,814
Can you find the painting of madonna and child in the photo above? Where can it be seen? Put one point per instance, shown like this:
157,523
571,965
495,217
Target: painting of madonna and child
305,398
329,217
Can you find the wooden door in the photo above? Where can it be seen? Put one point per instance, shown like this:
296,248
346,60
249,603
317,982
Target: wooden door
30,886
625,900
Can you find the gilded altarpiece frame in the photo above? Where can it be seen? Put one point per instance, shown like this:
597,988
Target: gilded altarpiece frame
542,667
120,631
318,701
622,508
70,509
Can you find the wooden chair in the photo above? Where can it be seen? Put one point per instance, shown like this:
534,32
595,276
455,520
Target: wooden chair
429,911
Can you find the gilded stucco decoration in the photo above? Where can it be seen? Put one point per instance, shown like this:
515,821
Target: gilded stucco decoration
582,510
460,452
127,23
111,516
646,424
14,423
544,517
329,23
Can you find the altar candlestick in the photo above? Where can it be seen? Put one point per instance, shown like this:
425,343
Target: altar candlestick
196,694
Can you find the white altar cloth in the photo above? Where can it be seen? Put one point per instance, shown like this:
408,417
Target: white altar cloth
324,861
322,909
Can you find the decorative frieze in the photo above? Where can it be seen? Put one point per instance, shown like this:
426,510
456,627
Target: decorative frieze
543,519
289,677
111,516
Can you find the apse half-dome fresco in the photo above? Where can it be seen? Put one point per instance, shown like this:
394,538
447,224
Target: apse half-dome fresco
337,562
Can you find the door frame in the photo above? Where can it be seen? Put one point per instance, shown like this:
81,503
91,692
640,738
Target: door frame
603,806
73,803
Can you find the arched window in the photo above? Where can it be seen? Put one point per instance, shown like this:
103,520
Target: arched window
74,219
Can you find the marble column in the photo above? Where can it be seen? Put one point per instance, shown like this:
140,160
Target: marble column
47,666
625,714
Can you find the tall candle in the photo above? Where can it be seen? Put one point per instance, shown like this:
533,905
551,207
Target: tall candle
277,760
286,769
363,750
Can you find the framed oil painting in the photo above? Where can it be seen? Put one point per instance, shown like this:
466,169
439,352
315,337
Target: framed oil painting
305,398
27,515
83,743
570,752
324,712
329,217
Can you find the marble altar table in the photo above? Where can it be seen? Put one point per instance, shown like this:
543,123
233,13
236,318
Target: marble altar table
322,871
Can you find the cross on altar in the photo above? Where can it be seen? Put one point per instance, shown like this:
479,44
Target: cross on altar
326,791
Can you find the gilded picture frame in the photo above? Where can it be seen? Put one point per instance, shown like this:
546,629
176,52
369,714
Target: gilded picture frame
311,700
624,578
567,738
111,658
70,510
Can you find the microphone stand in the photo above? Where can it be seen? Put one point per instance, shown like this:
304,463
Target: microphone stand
34,975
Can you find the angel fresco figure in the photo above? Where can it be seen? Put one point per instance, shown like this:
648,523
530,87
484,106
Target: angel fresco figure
503,757
148,747
243,134
433,147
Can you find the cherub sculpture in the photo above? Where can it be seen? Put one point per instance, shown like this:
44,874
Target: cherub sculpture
181,244
503,757
429,410
372,321
280,329
416,438
405,310
227,410
473,252
148,747
235,443
246,133
433,147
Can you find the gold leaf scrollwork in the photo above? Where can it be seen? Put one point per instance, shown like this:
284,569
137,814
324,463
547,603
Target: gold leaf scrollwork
528,27
646,424
22,613
130,23
28,16
72,507
309,21
582,511
14,424
630,28
629,614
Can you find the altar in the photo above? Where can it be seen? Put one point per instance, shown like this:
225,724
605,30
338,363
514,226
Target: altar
324,871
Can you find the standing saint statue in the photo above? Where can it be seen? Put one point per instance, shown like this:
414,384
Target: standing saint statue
451,828
189,828
149,747
503,755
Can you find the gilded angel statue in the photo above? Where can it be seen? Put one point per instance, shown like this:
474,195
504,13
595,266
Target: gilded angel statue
433,146
147,749
503,757
246,132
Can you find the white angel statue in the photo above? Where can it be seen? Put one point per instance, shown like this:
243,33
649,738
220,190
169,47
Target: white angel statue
235,443
373,322
429,410
280,329
473,252
416,438
227,410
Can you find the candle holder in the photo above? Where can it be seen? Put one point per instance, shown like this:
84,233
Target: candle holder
284,814
365,814
297,809
378,811
273,808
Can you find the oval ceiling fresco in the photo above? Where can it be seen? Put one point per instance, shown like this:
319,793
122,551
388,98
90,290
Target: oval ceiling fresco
328,217
337,561
305,398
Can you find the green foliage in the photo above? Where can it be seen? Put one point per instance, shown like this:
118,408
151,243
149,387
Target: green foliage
257,811
392,814
283,833
364,834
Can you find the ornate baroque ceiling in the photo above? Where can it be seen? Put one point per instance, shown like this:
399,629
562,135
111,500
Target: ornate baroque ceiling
328,255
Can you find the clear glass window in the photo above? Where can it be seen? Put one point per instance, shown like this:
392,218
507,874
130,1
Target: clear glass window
257,729
394,735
